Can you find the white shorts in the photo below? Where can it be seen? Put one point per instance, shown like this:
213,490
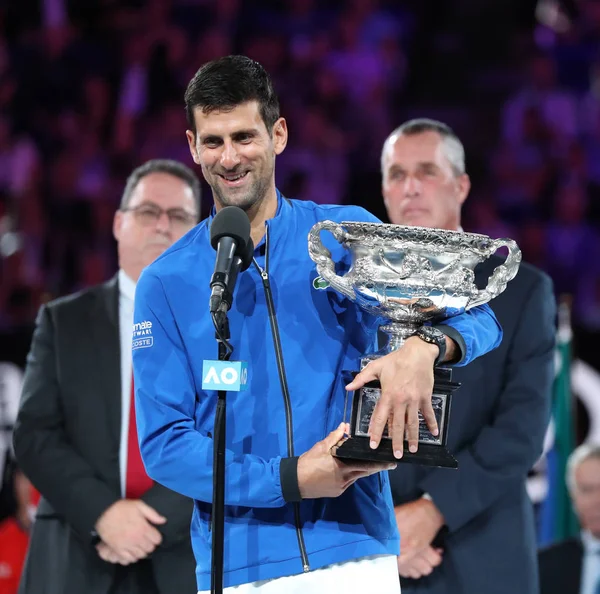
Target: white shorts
378,573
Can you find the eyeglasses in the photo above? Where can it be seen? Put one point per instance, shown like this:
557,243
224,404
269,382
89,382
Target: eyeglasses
148,214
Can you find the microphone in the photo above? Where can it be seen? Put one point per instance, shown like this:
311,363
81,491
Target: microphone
240,263
230,237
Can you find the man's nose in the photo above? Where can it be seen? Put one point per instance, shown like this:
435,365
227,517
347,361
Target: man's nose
412,186
163,223
229,157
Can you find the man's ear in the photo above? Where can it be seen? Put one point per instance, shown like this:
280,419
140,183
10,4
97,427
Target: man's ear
280,135
117,222
191,138
464,187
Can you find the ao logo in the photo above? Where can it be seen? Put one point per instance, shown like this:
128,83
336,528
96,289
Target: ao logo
225,375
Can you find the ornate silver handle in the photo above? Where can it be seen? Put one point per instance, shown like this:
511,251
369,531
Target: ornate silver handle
501,275
322,256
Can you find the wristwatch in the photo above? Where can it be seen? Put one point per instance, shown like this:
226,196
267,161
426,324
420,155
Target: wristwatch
433,336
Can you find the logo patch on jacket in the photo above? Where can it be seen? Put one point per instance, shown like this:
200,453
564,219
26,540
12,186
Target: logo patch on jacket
320,283
142,335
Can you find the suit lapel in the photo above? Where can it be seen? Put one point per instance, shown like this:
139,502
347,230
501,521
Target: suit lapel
105,324
578,565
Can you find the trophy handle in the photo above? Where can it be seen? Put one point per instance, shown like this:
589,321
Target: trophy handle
501,275
322,256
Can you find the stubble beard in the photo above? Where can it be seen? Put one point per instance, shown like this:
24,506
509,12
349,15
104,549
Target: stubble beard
247,201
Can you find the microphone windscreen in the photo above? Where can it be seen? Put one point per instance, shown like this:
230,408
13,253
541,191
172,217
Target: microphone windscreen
231,221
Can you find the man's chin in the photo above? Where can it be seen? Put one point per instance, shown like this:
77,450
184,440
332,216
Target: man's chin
242,199
418,221
595,530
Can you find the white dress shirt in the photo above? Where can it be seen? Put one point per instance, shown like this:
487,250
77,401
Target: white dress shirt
126,297
590,568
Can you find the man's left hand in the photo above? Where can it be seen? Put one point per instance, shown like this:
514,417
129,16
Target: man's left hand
418,523
420,564
406,378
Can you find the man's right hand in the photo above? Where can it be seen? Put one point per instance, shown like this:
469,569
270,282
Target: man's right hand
322,475
126,527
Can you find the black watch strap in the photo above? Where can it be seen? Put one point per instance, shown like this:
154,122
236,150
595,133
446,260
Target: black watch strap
442,354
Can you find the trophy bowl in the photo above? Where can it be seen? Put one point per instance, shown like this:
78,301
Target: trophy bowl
407,277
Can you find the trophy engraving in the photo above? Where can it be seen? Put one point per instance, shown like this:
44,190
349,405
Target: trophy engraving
408,277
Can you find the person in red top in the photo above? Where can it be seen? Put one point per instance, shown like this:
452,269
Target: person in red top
14,534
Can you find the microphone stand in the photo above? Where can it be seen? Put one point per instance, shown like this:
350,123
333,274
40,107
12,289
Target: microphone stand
218,517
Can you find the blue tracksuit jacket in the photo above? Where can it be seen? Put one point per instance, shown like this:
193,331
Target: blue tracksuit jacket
297,339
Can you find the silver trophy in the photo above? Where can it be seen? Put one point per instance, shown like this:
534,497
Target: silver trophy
408,277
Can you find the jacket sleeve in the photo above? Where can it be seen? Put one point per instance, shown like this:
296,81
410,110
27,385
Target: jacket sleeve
42,449
509,445
476,332
175,453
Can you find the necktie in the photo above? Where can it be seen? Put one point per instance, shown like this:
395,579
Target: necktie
597,588
137,482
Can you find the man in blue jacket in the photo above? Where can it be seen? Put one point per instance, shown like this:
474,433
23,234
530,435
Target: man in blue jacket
293,523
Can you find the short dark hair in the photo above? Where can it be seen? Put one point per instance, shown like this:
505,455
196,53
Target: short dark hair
228,82
174,168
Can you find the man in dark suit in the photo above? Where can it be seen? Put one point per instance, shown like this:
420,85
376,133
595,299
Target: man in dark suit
573,566
102,526
471,530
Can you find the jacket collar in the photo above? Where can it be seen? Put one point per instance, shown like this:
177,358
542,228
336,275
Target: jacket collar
283,206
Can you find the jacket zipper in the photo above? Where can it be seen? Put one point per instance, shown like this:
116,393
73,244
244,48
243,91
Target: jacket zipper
284,387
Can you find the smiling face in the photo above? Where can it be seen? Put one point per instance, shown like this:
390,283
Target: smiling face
420,187
237,154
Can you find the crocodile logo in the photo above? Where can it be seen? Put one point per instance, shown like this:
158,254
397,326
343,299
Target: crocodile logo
320,283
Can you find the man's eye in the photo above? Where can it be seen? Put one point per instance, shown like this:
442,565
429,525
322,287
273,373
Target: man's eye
180,217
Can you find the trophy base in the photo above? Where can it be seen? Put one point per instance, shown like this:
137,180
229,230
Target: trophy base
431,449
357,449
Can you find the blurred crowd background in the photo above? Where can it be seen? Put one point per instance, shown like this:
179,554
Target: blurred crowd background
91,89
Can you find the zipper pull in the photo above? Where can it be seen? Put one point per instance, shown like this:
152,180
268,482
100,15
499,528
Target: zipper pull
265,276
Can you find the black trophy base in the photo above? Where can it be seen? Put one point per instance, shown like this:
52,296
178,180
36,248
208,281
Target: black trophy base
431,449
357,449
